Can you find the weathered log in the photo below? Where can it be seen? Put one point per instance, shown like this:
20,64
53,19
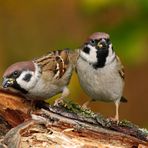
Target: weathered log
14,109
66,125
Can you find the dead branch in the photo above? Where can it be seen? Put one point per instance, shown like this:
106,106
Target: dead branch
66,125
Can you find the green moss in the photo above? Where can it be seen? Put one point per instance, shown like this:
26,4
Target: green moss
126,123
87,115
144,130
76,108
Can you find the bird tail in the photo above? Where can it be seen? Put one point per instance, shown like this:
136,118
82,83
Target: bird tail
123,100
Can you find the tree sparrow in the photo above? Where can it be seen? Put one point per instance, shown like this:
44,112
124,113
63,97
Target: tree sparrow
100,71
41,78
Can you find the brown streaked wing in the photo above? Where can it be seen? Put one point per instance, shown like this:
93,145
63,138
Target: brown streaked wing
121,68
56,62
62,62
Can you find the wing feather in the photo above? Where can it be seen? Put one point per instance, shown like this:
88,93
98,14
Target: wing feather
54,63
120,68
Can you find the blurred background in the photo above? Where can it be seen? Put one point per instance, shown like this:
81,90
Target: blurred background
30,29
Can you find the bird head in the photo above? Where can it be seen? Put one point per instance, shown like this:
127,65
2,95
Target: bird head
97,49
21,76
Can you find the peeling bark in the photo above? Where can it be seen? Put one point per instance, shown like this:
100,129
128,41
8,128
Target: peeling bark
13,108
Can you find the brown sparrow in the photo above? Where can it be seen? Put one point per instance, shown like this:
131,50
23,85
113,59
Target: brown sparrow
100,71
41,78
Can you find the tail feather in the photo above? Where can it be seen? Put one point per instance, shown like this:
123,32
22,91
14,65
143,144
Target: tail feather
123,99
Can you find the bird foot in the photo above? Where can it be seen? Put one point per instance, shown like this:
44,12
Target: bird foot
113,119
58,102
85,105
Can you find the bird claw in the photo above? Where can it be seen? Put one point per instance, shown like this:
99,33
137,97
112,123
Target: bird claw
58,102
113,119
85,105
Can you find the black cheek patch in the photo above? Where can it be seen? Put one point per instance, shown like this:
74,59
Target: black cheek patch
18,87
86,50
27,77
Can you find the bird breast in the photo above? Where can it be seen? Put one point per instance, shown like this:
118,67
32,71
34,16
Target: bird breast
102,84
48,86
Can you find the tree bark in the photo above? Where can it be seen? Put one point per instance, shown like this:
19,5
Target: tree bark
66,125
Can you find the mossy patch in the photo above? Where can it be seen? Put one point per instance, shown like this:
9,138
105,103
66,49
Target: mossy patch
88,115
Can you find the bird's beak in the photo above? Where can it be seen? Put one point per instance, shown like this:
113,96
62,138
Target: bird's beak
7,82
102,43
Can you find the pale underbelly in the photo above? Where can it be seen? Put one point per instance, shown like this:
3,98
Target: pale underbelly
101,89
44,93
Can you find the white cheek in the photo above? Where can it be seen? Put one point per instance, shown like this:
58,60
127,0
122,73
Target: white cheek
111,55
32,82
24,84
92,56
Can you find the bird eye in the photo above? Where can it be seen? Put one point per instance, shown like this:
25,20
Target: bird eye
15,73
93,42
108,41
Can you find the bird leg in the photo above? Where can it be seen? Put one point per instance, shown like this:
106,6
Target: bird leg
85,105
65,93
116,118
117,111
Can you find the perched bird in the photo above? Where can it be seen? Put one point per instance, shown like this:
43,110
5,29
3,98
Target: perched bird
100,71
41,78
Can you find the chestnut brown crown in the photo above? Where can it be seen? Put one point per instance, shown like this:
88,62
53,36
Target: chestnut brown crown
19,66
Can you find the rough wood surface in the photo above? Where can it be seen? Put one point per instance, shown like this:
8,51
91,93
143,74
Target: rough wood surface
13,108
66,125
